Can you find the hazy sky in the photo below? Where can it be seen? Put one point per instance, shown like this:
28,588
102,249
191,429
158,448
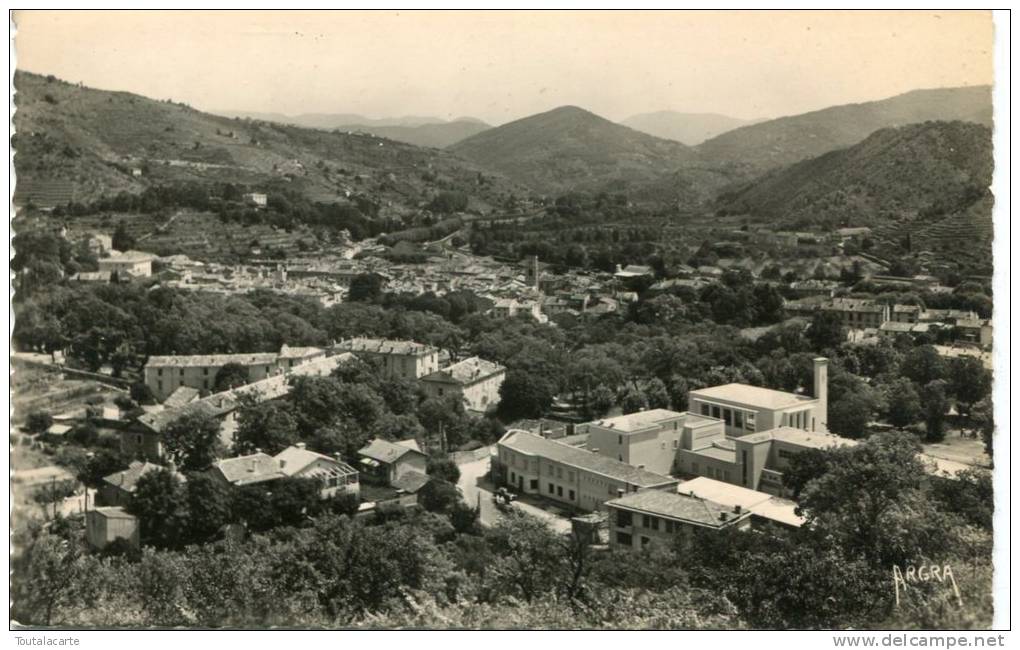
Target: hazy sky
499,66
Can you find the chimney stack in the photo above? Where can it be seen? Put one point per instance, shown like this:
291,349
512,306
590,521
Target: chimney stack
737,510
619,493
821,392
300,445
722,516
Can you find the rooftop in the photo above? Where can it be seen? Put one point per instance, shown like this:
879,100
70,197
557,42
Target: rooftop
385,346
253,468
762,504
385,451
638,421
466,371
199,360
812,439
295,458
529,443
754,396
127,479
679,507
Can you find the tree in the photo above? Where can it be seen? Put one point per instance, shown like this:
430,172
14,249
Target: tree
438,495
904,403
600,401
849,416
969,382
935,404
141,393
657,394
855,502
160,502
268,426
444,469
365,287
38,421
52,575
122,239
982,418
632,399
922,365
825,331
230,375
209,507
522,395
192,441
678,391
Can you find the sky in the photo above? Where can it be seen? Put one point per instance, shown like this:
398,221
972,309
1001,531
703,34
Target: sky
501,66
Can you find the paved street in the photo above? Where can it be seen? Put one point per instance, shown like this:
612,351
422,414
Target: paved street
478,491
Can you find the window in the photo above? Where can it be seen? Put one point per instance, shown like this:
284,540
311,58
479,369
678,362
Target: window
513,477
624,539
716,413
738,418
534,484
160,384
559,472
644,541
743,463
619,440
559,491
646,521
623,518
159,372
138,440
749,424
182,372
571,495
704,409
205,371
669,526
551,488
440,392
728,417
676,444
655,523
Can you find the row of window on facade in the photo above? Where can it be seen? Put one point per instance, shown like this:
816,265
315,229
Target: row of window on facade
732,417
625,519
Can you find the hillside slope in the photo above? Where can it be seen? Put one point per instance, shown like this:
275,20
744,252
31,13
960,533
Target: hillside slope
424,135
919,179
688,128
92,140
569,148
787,140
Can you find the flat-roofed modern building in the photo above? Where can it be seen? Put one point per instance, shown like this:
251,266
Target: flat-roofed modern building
129,264
755,461
573,477
405,359
747,409
657,517
648,439
475,380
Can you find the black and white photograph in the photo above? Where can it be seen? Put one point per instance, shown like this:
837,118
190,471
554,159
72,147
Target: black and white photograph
523,320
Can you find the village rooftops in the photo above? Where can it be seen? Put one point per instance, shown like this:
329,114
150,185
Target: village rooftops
679,507
755,396
639,421
532,445
387,452
906,309
201,360
761,504
854,304
127,479
182,395
295,458
634,271
467,371
246,470
129,256
385,346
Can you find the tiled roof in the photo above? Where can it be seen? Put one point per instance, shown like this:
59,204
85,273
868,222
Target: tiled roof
293,459
181,396
245,470
198,360
761,504
385,451
679,507
466,371
529,443
127,480
638,421
754,396
112,512
385,346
